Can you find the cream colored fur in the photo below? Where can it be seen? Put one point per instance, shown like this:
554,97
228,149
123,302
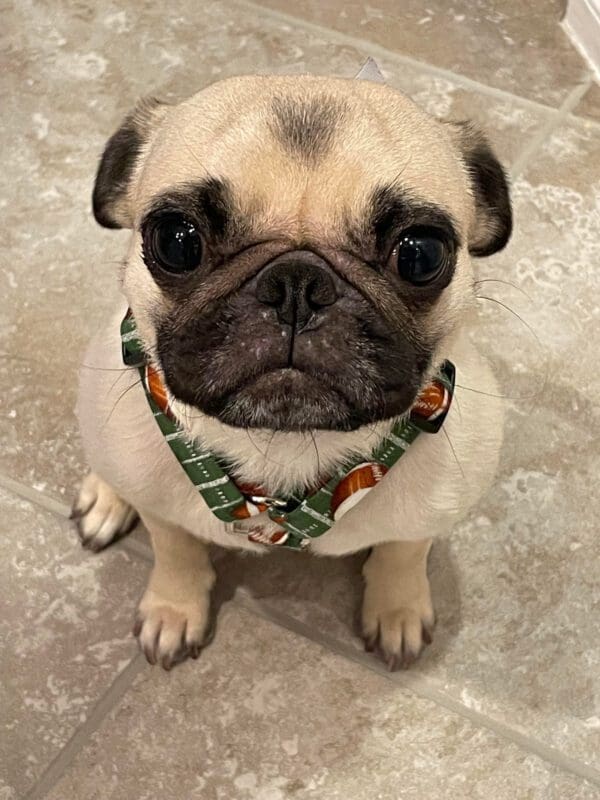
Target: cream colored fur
441,476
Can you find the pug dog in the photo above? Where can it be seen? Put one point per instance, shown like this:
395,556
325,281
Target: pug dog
299,267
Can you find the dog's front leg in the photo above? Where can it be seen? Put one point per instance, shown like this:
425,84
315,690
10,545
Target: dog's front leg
397,613
174,611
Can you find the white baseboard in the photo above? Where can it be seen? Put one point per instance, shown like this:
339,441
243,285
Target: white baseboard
582,24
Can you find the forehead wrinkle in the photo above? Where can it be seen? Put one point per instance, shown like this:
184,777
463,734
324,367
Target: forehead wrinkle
305,127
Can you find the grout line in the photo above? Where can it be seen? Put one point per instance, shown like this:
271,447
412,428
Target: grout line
115,692
137,548
422,687
378,51
49,503
45,501
552,123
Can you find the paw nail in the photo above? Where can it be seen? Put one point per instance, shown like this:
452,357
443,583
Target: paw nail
408,659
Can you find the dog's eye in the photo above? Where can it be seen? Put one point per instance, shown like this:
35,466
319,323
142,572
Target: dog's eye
422,255
173,242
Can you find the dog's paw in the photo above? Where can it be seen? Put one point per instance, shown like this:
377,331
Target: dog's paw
169,632
398,625
100,514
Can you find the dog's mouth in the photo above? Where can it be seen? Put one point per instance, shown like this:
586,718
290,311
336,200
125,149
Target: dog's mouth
357,383
289,399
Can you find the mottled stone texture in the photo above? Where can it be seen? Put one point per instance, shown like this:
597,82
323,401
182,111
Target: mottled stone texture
590,103
517,48
266,713
65,625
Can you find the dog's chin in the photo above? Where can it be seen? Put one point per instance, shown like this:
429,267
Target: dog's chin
289,400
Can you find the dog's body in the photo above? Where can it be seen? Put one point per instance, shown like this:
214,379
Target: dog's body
282,191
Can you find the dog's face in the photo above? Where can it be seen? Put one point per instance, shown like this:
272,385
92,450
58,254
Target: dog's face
301,245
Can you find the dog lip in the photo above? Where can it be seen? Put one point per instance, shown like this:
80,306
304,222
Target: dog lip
280,375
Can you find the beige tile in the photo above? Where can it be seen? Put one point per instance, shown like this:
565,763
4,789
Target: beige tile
65,625
502,44
268,716
71,76
589,105
516,587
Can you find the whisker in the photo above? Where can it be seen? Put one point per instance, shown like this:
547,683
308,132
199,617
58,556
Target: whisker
506,283
455,399
314,441
119,398
270,442
263,454
535,336
514,313
106,369
373,429
118,378
462,472
499,396
304,449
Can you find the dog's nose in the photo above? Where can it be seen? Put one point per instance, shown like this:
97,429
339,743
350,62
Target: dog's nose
296,285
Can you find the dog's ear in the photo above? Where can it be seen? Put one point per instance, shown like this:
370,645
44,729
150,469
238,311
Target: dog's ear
111,197
492,224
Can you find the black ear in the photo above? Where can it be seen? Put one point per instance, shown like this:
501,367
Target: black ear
492,224
110,199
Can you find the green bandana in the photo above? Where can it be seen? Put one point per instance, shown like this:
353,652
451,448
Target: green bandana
300,518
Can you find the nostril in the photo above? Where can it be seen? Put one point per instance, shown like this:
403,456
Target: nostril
271,292
320,292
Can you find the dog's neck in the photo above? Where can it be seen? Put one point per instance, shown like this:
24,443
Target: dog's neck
278,461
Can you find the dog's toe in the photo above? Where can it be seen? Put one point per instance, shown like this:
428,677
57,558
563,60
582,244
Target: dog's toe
169,633
398,636
100,515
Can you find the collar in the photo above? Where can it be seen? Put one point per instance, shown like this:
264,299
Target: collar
300,518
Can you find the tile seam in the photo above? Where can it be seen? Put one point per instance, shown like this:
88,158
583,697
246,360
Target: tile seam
57,768
552,123
411,682
41,499
377,50
425,689
51,505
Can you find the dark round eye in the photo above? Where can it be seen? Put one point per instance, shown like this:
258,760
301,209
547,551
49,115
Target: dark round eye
422,256
173,242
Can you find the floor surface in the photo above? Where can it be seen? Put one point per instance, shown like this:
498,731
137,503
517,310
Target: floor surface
284,703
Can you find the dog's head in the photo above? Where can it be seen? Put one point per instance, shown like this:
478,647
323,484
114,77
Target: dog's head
300,248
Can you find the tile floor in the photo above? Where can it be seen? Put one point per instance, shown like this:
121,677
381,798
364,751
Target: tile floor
284,703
